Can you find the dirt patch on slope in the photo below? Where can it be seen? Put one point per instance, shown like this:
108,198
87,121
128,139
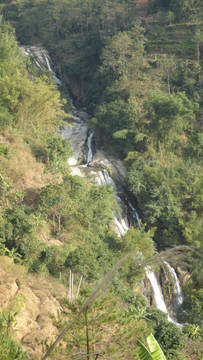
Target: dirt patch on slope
36,299
20,165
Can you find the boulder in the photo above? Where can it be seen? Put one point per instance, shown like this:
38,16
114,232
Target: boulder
114,166
77,135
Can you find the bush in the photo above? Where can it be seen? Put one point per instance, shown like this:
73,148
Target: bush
169,336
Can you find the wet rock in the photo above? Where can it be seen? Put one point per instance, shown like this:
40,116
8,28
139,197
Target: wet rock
82,115
76,171
77,135
114,166
76,89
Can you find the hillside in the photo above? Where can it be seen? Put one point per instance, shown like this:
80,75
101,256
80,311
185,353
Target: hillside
95,186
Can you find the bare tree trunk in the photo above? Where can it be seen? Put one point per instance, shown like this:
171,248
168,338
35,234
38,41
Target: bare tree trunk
57,29
87,335
72,286
93,332
70,282
169,88
79,287
198,53
54,222
59,223
198,59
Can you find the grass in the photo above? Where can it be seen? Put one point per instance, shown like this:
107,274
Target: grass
20,166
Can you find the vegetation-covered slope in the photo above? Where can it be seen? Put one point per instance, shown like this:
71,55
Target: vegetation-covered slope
141,81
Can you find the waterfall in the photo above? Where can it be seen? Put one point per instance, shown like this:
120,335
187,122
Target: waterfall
158,296
89,145
48,63
120,224
56,80
39,56
178,292
156,288
102,177
37,63
135,216
108,179
89,149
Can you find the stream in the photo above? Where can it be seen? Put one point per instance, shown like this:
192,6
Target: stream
88,162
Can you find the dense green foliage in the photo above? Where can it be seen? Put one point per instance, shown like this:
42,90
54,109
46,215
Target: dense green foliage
142,83
167,334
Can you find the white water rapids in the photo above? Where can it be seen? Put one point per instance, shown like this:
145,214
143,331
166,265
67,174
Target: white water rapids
178,291
158,296
48,63
102,177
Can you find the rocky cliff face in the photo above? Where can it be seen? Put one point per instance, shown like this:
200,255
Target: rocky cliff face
32,301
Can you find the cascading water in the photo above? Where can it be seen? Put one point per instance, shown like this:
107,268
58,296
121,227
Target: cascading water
177,288
158,296
48,63
120,224
89,149
41,55
89,145
156,288
135,216
39,66
57,80
102,178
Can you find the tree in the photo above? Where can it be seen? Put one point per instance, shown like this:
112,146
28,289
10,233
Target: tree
193,305
117,57
56,202
165,186
58,152
91,258
18,225
168,65
115,118
183,9
170,17
169,115
169,336
123,58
